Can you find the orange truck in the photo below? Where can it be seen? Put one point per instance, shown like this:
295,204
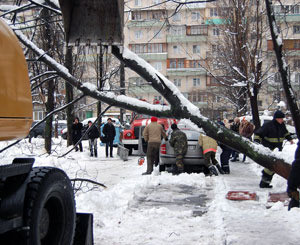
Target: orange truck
132,138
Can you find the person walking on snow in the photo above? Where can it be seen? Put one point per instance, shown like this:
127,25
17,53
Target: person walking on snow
76,133
93,134
271,135
179,142
109,132
209,146
153,133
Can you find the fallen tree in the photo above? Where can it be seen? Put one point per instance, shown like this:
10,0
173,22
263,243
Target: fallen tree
180,107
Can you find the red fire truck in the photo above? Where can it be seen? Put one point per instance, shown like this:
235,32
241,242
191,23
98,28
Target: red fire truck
132,138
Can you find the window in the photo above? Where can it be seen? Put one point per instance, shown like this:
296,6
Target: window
196,49
177,82
214,12
176,49
139,81
196,16
156,1
38,115
195,63
148,48
157,15
296,29
196,82
138,34
177,30
199,30
157,66
137,15
297,44
296,64
177,63
295,9
216,31
259,103
137,2
157,34
176,17
297,78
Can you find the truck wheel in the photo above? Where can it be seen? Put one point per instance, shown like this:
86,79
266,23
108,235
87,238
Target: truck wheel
49,208
130,152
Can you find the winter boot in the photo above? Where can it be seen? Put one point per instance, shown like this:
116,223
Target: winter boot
96,153
293,204
265,180
219,169
213,170
174,170
225,168
91,153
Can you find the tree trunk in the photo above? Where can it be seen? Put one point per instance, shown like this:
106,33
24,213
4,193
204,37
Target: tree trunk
69,95
46,35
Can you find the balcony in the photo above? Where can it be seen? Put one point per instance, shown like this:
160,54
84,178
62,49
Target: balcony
288,18
145,23
154,56
180,39
185,71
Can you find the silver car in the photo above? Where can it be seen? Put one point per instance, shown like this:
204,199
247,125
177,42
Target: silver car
193,160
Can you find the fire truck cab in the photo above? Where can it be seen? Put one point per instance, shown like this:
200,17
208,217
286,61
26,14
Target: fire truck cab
132,138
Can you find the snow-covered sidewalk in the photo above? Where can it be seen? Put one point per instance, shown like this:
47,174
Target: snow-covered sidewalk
165,209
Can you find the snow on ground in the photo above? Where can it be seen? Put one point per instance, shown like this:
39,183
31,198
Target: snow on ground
165,209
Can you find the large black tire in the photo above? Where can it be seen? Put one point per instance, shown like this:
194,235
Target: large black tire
130,151
49,208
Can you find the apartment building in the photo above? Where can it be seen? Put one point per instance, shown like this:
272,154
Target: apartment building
178,42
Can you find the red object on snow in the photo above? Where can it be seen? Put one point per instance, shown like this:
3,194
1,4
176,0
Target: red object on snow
241,195
279,197
141,161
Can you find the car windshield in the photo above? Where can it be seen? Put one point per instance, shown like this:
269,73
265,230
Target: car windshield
191,135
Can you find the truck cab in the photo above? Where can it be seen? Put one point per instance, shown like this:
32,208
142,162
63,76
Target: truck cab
132,138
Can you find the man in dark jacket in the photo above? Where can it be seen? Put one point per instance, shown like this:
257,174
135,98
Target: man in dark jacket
93,134
76,133
271,135
110,132
179,142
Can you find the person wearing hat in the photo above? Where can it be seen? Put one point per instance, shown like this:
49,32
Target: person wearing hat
271,135
109,132
153,133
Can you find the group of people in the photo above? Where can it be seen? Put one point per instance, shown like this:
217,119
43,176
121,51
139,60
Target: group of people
93,134
271,135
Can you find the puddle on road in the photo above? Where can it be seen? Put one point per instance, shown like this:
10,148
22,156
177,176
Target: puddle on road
174,197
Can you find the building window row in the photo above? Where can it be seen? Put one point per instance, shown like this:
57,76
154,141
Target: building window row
286,9
148,15
183,63
148,48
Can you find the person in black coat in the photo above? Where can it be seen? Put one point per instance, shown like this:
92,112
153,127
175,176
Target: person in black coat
294,181
93,134
271,135
76,133
109,132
